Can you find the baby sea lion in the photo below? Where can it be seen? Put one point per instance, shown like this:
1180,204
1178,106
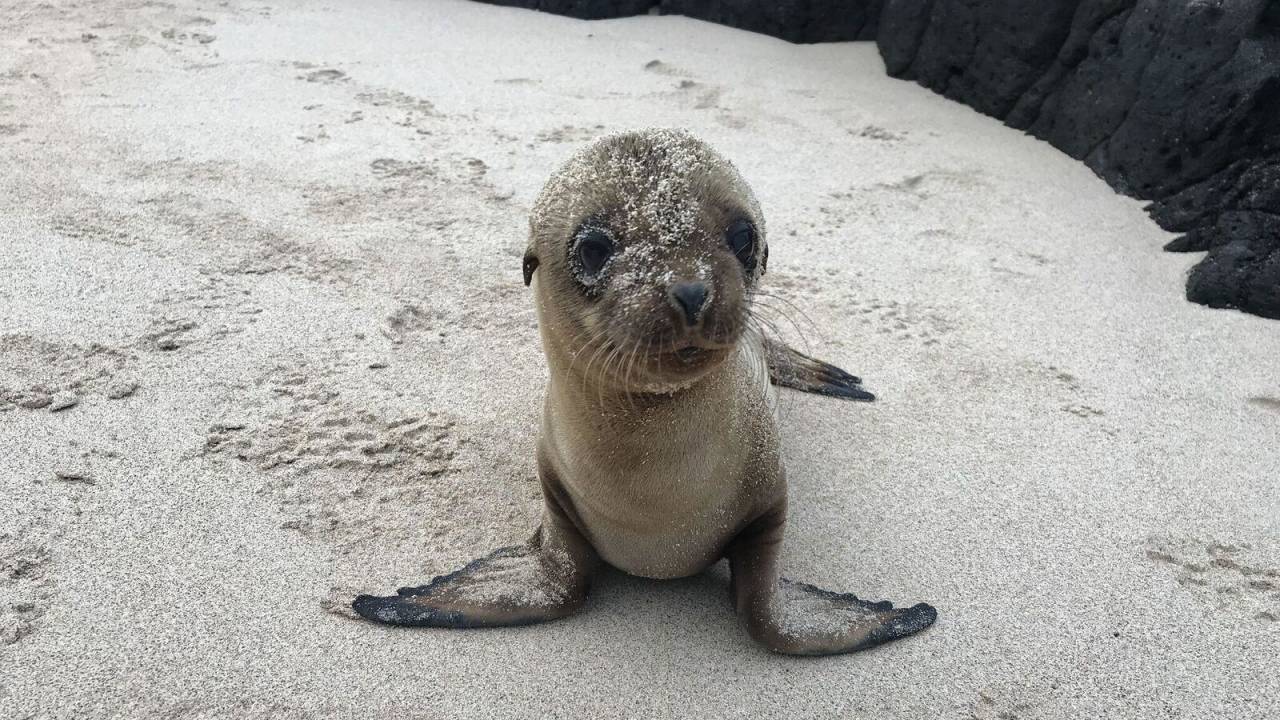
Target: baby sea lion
658,452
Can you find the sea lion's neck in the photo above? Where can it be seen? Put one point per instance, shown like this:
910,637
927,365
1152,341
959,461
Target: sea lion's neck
582,389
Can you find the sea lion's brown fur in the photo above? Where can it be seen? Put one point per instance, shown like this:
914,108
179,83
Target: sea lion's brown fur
658,451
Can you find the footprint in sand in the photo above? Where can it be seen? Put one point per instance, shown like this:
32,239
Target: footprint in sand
1230,577
327,76
26,584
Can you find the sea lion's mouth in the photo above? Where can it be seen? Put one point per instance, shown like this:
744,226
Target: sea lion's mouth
680,364
692,356
690,353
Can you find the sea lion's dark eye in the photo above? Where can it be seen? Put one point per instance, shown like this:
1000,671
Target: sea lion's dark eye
593,248
741,238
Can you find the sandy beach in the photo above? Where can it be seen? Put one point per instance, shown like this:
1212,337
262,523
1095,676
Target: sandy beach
264,345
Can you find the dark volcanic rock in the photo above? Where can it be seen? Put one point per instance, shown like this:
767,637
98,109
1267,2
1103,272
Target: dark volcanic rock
800,21
986,54
1177,101
584,9
1251,186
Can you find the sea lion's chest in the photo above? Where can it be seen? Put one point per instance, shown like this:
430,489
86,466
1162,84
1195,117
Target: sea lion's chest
663,496
669,517
660,487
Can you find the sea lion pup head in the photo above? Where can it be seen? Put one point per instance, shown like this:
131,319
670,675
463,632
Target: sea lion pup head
646,246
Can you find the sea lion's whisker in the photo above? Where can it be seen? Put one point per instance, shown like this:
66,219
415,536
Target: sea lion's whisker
605,344
804,339
626,381
766,327
759,293
760,363
614,354
583,347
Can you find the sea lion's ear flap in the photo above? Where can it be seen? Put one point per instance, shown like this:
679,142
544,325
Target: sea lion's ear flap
530,264
764,259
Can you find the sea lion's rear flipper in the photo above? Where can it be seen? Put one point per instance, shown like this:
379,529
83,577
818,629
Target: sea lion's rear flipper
791,368
799,619
516,585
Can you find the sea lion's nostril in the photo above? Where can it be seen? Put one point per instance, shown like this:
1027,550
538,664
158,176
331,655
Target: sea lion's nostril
689,297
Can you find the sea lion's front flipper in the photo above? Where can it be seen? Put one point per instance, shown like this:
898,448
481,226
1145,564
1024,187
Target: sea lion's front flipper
791,368
800,619
544,579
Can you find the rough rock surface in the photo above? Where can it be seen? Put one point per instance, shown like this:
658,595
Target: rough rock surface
799,21
1177,102
583,9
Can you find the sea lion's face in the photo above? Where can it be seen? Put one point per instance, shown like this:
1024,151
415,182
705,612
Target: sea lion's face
646,247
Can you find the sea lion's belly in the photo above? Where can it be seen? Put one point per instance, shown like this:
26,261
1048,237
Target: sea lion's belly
662,527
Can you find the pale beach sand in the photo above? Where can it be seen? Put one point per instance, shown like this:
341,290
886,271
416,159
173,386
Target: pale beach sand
287,237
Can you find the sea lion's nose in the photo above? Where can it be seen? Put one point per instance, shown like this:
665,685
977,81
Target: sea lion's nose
688,297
